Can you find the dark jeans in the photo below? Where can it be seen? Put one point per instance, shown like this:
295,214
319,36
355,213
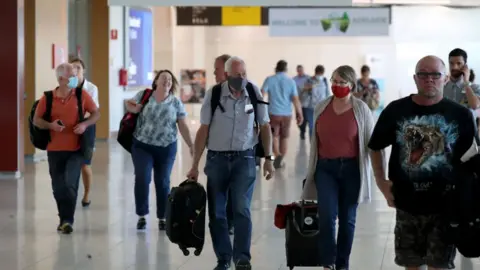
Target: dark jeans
307,120
338,186
65,168
161,159
229,210
232,171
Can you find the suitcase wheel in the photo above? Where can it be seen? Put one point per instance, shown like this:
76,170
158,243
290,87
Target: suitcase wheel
185,251
197,252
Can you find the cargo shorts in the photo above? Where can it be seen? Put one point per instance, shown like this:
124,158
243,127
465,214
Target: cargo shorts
421,240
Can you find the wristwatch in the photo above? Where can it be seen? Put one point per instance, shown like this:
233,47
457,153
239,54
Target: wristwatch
271,158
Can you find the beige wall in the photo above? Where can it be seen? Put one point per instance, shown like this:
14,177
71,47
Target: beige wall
51,28
45,24
164,38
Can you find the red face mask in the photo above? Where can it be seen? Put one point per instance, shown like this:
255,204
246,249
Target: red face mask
340,91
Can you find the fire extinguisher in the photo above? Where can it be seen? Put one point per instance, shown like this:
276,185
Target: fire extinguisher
123,77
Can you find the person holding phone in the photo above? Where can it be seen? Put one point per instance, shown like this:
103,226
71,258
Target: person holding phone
64,158
459,88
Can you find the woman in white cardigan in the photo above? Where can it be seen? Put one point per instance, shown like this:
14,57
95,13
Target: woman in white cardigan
339,171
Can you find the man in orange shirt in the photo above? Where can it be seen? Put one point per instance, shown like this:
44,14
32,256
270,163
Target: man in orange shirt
64,158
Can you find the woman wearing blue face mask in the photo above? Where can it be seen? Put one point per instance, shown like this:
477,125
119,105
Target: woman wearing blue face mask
314,91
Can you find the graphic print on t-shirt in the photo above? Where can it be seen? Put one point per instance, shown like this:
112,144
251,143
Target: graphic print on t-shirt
426,144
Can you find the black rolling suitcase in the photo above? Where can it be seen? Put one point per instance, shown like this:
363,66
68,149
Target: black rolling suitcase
301,235
185,216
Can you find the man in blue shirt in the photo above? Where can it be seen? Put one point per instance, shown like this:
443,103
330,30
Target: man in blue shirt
301,78
282,92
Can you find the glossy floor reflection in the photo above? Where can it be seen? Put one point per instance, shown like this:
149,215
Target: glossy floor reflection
105,237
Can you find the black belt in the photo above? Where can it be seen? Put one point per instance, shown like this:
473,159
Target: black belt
232,153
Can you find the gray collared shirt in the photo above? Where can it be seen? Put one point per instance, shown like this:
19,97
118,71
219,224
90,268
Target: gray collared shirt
232,130
456,91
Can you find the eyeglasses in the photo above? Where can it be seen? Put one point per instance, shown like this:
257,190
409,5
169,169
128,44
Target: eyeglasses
426,75
340,83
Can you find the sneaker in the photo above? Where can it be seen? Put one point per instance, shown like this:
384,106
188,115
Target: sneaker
141,224
222,266
162,225
66,228
59,227
243,265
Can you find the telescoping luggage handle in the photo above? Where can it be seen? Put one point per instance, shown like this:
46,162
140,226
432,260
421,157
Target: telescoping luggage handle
302,215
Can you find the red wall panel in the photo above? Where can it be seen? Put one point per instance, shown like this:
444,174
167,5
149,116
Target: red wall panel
11,93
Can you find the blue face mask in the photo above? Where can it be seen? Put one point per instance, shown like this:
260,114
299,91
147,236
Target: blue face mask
72,82
319,77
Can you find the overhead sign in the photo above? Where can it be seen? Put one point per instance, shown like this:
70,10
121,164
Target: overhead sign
222,16
234,16
225,3
308,22
190,16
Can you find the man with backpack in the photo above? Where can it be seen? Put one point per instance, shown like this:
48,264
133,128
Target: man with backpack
232,115
58,111
314,90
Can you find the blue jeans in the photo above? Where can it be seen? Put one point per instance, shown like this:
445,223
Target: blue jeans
307,119
232,171
338,187
145,158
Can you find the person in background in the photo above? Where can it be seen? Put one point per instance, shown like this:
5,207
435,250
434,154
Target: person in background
301,78
459,88
64,158
315,90
92,90
339,170
230,137
282,92
155,143
429,136
367,89
220,77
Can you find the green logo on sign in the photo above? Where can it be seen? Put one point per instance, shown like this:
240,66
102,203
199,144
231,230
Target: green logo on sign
342,22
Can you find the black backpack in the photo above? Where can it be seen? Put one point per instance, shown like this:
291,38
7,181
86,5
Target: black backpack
215,102
41,137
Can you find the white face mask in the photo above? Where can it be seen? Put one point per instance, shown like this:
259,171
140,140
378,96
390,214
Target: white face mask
319,77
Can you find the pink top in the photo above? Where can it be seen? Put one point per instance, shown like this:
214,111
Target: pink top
337,135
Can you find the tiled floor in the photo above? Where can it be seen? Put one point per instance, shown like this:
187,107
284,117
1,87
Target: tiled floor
105,237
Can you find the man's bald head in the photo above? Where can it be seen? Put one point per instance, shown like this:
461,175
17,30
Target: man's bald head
430,77
429,60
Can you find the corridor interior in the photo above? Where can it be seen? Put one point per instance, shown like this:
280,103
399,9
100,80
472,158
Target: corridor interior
105,236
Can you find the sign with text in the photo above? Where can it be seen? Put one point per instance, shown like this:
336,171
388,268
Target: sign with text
303,22
140,37
190,16
225,3
236,16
